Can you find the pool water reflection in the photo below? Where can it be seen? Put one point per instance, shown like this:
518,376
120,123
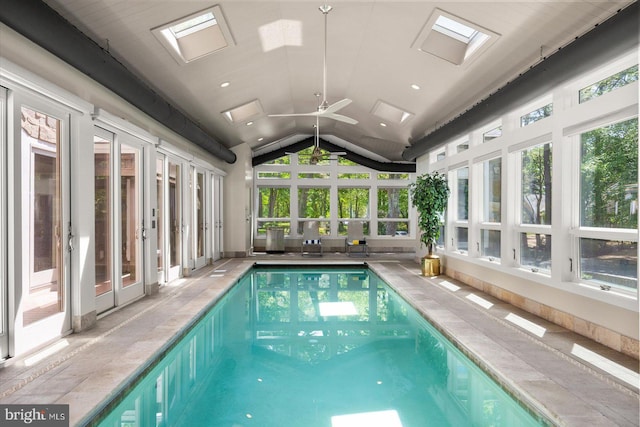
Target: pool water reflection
308,347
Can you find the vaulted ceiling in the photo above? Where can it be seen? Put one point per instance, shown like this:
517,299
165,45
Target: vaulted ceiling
375,57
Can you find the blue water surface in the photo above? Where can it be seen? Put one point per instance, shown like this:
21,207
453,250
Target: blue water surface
315,348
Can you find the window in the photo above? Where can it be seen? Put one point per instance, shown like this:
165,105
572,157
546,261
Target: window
353,176
461,239
609,176
536,115
339,187
609,205
492,191
273,209
535,208
536,185
492,134
314,203
535,251
394,176
613,82
489,245
352,203
460,195
393,211
463,146
274,175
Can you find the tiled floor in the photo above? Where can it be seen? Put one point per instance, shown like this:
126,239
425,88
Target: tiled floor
540,363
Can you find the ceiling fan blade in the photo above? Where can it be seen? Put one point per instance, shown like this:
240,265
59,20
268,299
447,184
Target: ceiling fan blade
337,106
315,113
341,118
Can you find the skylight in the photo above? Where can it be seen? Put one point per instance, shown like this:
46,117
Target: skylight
390,113
195,36
454,29
452,38
192,25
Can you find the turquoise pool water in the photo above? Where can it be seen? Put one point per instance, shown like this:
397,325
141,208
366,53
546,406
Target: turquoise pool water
315,348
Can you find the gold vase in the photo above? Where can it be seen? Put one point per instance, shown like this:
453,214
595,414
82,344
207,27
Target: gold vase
431,265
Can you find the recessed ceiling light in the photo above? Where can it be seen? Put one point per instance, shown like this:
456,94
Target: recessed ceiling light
224,84
260,139
249,123
384,125
415,87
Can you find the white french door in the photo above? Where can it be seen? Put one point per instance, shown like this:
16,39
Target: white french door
41,230
216,216
199,217
119,229
169,195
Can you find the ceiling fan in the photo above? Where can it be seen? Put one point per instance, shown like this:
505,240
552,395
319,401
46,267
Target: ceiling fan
324,109
317,154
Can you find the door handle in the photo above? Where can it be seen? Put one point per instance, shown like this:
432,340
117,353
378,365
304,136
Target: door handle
70,237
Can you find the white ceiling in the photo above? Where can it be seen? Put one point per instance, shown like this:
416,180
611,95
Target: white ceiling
369,58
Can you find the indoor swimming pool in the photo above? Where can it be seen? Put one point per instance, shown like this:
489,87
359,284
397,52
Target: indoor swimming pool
314,347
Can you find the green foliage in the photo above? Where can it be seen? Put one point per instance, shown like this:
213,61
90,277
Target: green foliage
536,115
273,202
353,202
616,81
429,194
609,176
313,202
536,185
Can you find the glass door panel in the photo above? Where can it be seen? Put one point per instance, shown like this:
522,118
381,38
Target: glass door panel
216,221
175,221
130,215
160,217
102,149
41,203
44,295
199,210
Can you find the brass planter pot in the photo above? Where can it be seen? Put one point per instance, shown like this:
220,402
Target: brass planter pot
431,265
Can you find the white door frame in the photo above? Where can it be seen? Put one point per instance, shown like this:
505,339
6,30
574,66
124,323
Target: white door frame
199,230
4,295
170,272
119,294
26,337
125,294
216,216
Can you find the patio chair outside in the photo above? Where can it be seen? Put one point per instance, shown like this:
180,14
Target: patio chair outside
355,239
311,238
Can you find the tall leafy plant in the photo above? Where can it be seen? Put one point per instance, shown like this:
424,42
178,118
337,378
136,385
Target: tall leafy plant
429,195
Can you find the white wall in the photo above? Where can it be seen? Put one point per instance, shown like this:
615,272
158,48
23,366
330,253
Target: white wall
237,204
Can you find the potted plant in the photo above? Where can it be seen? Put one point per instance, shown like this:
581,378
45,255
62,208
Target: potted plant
429,195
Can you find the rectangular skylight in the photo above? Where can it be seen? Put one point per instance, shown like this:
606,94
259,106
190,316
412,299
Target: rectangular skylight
192,25
454,29
243,112
195,36
452,38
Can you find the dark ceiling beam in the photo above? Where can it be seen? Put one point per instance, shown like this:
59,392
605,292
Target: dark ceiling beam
326,145
44,26
606,42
